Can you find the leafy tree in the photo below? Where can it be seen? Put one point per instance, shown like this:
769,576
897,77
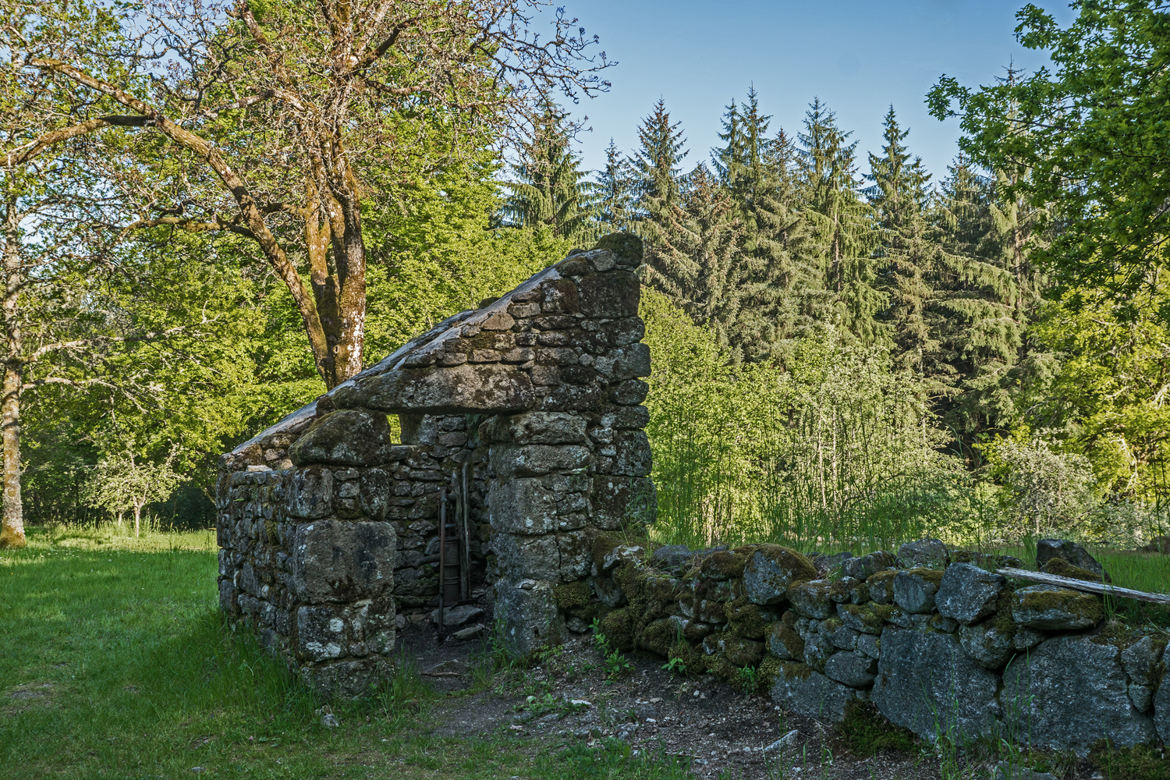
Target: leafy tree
1090,133
978,298
1106,400
285,107
123,482
549,188
53,327
1049,492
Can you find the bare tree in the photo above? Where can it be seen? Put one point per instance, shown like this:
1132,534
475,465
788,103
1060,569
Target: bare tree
285,106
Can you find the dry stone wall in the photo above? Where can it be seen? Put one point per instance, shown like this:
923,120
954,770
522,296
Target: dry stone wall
934,638
525,414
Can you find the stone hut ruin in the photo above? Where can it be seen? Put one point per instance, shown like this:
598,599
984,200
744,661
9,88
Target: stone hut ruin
517,448
521,434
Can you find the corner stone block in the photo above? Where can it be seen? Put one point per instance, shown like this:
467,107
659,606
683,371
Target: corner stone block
527,612
537,428
631,361
619,501
633,458
335,560
310,493
321,633
609,295
527,557
347,679
374,493
1070,693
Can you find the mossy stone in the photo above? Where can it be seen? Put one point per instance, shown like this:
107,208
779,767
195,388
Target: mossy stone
848,590
573,595
1056,609
745,618
658,636
785,642
601,545
768,671
724,564
881,586
866,618
691,658
771,568
618,628
1062,568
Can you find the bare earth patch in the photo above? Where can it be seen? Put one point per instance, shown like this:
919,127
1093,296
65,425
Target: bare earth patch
29,696
571,697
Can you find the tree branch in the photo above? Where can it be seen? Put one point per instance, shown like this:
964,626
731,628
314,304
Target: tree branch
26,152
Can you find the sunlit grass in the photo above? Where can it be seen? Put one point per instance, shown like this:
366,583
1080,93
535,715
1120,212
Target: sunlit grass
114,662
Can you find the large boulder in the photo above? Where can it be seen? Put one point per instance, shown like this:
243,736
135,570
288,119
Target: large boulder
1070,692
526,612
967,593
770,570
927,684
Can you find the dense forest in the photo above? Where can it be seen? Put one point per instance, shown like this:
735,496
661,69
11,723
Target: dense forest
211,216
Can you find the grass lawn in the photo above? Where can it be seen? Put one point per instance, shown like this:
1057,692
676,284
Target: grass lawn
114,663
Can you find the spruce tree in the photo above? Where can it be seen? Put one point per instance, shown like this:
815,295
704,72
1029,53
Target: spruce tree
693,255
614,192
981,330
757,174
907,258
656,165
839,221
550,189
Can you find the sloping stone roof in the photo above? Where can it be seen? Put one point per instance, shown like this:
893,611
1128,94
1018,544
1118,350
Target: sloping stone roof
408,380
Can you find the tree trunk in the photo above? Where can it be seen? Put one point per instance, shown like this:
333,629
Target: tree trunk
12,527
12,532
137,519
350,257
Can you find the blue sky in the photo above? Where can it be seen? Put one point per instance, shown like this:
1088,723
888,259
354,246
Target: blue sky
858,56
